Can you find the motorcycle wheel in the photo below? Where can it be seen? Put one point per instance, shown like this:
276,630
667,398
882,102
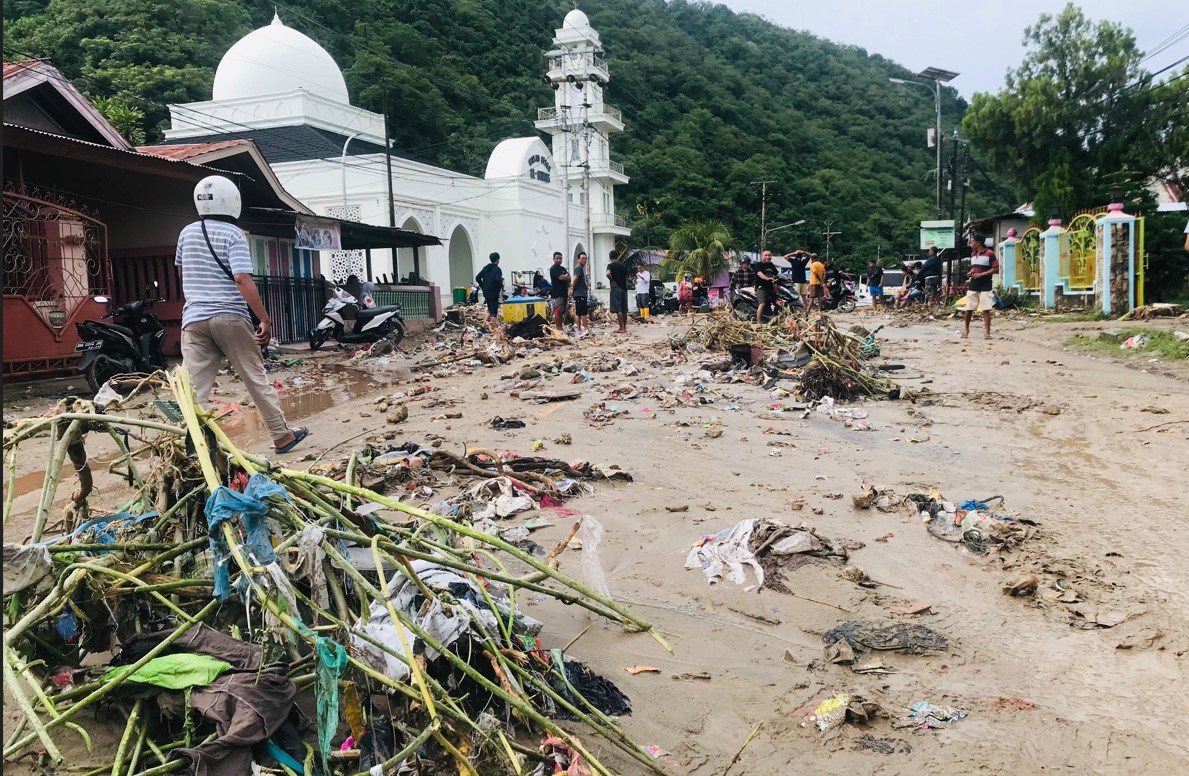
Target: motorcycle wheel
102,369
846,305
397,334
744,311
318,338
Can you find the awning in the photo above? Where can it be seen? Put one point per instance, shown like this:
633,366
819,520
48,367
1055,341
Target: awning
275,222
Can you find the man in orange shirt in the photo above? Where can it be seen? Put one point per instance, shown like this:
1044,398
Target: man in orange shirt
817,284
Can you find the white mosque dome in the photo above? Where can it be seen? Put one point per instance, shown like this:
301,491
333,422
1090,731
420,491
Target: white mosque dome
575,20
277,59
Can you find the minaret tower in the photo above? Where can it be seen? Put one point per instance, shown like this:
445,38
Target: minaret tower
580,123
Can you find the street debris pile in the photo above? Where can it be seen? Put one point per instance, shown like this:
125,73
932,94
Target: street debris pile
767,547
238,614
823,360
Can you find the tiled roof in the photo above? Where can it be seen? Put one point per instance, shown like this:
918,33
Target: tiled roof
189,150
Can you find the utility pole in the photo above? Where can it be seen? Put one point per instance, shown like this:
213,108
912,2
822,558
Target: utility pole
954,210
961,179
587,237
565,186
387,165
763,210
829,234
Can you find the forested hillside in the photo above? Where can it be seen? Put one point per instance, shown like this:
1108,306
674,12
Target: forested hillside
713,100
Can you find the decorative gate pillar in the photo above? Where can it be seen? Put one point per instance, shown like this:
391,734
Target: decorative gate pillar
1007,260
1051,252
1116,256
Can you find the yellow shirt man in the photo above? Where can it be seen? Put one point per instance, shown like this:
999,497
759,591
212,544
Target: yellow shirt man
817,274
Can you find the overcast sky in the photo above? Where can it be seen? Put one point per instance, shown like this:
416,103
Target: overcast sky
980,40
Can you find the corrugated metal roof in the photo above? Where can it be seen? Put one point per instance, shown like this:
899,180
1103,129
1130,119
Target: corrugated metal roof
75,141
13,68
189,150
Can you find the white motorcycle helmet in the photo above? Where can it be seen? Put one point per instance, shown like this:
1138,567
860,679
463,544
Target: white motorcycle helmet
217,196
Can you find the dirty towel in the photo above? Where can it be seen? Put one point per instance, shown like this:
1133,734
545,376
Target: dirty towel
906,638
925,715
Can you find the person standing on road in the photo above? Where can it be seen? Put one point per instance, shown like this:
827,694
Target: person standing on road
798,262
875,283
491,282
1187,237
559,290
983,266
643,290
931,276
766,277
617,274
817,285
685,295
580,291
215,265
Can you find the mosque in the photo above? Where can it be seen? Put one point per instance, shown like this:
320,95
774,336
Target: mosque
280,89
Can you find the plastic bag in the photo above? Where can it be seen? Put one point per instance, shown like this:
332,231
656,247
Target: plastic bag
590,533
830,713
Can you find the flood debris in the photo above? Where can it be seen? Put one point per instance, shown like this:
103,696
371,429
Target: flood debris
766,546
236,588
903,637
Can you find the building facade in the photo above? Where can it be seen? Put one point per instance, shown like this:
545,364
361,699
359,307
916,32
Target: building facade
280,89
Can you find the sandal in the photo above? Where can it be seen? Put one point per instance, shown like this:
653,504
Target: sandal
298,435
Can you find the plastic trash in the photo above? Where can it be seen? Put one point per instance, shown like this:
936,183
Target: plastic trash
830,713
590,533
1136,342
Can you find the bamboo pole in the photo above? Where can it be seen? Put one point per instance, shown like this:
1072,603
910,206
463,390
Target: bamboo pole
53,471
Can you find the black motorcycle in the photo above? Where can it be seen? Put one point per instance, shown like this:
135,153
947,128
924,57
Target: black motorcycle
744,303
842,294
662,299
133,342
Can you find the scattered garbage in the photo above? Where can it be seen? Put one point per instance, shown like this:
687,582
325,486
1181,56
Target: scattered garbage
506,424
905,638
884,745
925,715
762,545
1135,342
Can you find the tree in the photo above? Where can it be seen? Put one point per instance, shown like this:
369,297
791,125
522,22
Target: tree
128,121
1076,109
699,248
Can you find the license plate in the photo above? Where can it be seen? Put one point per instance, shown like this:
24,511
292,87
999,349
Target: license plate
89,345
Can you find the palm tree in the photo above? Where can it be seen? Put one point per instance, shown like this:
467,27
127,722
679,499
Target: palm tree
700,248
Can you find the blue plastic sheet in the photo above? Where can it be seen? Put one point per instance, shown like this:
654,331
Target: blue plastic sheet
251,509
332,659
103,529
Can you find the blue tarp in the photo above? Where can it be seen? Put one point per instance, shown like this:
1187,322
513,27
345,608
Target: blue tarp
251,508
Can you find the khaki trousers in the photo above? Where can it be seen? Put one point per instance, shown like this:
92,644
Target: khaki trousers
204,346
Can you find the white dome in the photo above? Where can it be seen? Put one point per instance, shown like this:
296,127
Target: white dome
575,19
278,59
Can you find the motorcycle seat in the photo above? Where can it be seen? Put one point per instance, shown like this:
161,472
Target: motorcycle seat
372,312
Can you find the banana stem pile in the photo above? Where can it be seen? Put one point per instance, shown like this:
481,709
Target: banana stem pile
225,574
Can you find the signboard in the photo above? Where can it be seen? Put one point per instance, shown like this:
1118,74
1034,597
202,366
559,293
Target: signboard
539,168
56,318
318,235
937,234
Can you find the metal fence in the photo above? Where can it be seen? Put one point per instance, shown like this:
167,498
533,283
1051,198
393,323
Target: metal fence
293,304
413,300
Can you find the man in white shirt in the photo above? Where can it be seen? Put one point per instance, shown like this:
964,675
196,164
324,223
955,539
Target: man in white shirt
643,291
1187,237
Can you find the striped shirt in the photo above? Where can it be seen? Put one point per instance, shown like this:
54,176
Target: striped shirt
208,290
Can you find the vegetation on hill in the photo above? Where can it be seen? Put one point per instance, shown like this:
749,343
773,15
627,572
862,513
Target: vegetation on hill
714,101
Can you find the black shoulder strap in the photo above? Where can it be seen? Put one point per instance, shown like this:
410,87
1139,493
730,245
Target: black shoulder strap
211,248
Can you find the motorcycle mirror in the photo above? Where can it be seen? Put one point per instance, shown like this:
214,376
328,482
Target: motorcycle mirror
101,299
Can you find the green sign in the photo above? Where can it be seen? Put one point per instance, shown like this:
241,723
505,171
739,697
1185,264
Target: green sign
937,234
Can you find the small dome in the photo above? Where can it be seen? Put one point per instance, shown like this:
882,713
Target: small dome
278,59
575,19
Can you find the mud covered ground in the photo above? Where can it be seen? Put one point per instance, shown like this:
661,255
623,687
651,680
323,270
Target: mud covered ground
1088,675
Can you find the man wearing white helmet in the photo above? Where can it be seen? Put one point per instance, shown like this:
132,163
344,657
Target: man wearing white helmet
216,268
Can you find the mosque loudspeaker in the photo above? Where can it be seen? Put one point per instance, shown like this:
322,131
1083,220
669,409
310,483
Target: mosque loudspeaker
571,78
548,80
579,85
555,86
594,79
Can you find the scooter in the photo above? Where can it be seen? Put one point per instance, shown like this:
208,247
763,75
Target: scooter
133,342
744,302
370,324
843,296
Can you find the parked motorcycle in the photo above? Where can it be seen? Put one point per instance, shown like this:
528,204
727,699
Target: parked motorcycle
744,304
352,323
663,299
843,296
133,342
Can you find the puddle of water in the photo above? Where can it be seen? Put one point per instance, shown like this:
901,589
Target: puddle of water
314,395
34,481
27,483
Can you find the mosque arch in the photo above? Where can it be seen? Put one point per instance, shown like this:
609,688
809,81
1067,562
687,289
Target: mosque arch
402,261
462,257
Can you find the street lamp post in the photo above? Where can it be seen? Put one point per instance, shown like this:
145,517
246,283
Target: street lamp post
777,229
938,77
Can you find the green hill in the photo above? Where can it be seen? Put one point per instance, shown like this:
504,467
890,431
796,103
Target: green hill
712,99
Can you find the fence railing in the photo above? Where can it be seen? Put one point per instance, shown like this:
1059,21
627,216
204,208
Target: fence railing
414,301
293,304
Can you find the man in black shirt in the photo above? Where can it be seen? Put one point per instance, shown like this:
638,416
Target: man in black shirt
931,276
560,289
799,261
766,276
491,282
875,283
617,273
